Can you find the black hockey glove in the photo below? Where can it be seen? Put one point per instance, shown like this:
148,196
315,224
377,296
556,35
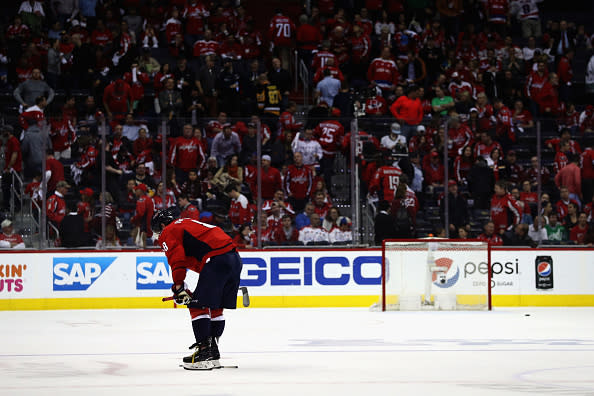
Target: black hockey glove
181,295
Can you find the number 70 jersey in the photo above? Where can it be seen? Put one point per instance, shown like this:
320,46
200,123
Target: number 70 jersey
281,31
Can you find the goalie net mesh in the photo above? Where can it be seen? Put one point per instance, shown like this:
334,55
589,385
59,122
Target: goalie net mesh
435,275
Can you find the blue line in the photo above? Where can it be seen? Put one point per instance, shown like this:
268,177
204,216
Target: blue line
303,351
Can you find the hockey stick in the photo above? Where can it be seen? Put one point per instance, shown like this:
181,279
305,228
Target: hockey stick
214,368
246,296
173,297
244,292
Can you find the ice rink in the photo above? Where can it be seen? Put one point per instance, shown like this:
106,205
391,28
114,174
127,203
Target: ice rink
302,352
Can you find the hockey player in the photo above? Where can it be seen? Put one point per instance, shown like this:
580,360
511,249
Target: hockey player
192,245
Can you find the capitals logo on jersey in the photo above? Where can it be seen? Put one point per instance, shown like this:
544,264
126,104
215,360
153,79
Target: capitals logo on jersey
450,280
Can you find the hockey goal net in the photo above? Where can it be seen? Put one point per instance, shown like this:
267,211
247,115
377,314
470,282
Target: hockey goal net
430,274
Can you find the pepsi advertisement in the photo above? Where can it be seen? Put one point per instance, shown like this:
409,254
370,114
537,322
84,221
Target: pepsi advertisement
544,272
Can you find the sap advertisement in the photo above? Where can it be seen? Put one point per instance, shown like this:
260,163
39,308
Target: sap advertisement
138,274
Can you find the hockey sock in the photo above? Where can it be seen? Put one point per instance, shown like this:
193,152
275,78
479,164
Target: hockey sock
217,323
201,324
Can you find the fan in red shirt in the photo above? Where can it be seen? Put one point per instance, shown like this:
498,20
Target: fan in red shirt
490,236
63,135
281,33
285,233
564,201
33,116
561,159
9,238
527,195
287,119
334,71
329,134
206,46
158,197
503,126
548,98
536,81
383,72
433,169
239,211
486,145
459,136
565,136
195,14
206,249
136,79
579,231
85,206
463,163
188,211
142,216
56,205
308,38
320,59
298,182
503,206
271,178
375,104
187,153
117,99
385,181
321,205
101,36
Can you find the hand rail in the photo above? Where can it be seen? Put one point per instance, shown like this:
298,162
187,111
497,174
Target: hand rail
14,193
304,77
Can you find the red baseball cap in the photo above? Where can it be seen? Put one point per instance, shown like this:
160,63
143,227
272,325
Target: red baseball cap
142,187
86,191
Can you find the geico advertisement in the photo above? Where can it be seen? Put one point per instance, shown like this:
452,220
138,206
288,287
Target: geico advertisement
290,272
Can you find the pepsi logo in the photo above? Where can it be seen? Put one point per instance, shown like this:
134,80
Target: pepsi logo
544,269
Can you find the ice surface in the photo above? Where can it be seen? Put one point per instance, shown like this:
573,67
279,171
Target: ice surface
302,352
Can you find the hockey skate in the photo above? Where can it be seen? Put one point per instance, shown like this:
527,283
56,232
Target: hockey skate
214,352
201,359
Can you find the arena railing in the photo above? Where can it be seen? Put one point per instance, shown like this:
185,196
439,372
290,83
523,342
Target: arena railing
348,179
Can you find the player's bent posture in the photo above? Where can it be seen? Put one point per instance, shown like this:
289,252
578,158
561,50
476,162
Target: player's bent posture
206,249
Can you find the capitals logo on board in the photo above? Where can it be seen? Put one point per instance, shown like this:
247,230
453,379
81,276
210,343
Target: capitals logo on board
451,279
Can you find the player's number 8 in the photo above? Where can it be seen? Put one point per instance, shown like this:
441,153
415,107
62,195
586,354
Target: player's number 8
165,248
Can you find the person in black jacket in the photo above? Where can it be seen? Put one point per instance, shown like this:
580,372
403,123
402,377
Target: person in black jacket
384,223
229,88
457,208
72,229
282,79
481,181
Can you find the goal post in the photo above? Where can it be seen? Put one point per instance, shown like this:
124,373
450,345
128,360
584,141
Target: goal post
435,274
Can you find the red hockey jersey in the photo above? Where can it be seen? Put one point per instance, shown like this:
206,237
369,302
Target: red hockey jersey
298,181
386,179
329,134
281,31
501,208
190,212
189,243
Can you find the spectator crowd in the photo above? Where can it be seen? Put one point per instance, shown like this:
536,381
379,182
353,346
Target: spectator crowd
458,86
